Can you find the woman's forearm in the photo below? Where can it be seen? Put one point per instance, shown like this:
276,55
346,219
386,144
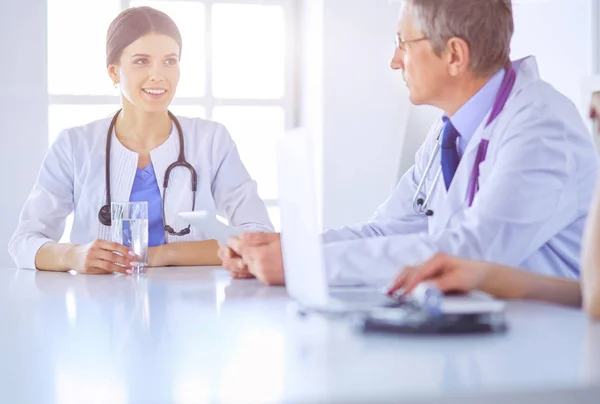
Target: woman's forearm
509,283
54,257
590,259
194,253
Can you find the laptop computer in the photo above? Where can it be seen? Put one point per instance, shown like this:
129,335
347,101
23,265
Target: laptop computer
305,272
305,275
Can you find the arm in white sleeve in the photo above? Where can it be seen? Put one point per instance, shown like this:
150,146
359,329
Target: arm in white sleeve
513,215
235,193
44,214
590,260
396,215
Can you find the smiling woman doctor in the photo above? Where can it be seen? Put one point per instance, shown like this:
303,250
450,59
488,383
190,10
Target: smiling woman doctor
506,175
130,157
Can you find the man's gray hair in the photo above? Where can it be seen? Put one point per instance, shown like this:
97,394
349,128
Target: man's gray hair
486,25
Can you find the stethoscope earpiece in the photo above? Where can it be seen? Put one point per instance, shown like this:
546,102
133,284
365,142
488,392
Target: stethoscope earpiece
105,215
420,203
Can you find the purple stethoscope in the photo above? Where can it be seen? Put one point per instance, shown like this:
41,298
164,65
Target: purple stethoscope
420,205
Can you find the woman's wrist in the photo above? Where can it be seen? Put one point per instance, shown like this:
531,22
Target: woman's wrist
504,282
53,256
159,256
65,259
68,257
490,278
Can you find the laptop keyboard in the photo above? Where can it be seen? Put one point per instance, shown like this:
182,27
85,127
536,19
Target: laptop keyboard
369,297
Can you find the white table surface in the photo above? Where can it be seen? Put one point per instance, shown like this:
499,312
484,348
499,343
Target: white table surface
192,335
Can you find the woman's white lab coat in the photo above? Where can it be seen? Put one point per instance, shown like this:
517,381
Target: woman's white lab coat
72,178
536,186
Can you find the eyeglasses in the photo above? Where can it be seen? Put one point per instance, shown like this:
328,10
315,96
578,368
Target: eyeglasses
401,45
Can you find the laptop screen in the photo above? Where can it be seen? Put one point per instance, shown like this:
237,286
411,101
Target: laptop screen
305,277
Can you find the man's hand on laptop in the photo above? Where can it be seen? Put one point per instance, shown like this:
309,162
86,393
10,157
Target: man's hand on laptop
261,252
233,262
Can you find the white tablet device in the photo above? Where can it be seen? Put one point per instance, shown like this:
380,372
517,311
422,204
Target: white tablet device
212,225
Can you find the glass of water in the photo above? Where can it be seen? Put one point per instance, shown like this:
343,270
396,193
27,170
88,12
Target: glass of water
130,228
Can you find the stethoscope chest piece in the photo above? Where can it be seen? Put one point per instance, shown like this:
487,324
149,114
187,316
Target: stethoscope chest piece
104,215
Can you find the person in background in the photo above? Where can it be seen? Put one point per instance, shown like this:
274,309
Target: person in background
143,51
595,111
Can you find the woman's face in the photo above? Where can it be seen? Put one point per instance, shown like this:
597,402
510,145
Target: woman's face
148,72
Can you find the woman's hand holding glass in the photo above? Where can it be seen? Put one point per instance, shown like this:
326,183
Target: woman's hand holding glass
100,257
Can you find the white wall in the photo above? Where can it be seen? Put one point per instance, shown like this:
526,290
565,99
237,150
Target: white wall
361,117
564,41
23,107
560,35
420,120
311,89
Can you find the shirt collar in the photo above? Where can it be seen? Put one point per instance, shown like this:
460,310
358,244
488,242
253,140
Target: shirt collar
468,118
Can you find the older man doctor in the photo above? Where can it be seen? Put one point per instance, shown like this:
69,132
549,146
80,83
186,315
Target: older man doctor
516,165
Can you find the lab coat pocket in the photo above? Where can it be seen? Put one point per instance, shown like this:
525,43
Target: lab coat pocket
204,202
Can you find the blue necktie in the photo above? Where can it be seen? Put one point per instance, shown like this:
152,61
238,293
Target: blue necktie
450,157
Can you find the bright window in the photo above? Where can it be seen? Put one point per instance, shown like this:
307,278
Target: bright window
236,69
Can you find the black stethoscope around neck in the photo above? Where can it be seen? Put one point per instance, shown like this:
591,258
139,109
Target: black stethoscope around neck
104,215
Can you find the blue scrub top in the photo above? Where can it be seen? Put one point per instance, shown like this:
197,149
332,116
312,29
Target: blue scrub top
145,189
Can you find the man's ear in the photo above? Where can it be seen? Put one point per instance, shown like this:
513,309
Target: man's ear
458,56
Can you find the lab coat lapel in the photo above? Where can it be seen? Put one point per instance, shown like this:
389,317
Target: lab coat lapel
123,166
456,198
178,194
162,157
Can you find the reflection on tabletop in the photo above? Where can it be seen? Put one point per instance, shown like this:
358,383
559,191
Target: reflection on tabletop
196,335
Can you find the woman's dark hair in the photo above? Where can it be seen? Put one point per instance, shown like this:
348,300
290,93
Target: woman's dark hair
133,23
